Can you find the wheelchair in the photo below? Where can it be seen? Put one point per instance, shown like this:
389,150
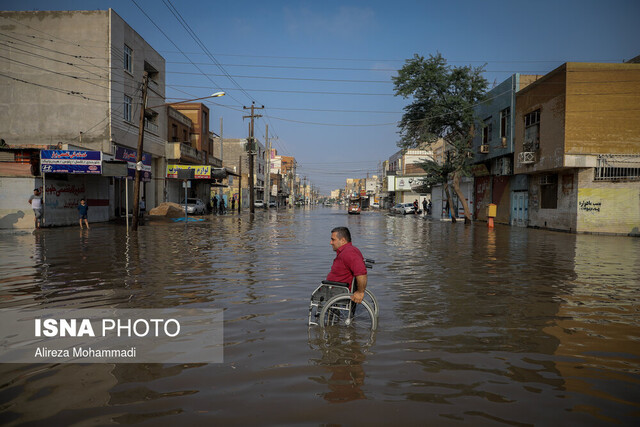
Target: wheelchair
331,305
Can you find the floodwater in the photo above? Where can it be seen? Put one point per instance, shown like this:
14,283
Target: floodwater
506,326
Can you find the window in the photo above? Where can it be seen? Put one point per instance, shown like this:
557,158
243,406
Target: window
128,58
549,191
618,167
128,108
532,131
152,72
487,131
205,123
151,122
505,122
174,133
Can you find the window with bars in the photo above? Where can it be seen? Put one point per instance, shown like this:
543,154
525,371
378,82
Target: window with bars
548,191
618,167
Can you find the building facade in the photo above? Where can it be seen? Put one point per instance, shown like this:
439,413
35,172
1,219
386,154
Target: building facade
84,97
578,138
493,148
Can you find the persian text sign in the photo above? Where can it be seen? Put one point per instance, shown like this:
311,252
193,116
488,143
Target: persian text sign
200,172
131,157
169,335
70,161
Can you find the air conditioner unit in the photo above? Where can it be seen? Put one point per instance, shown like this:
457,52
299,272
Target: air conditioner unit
484,148
527,157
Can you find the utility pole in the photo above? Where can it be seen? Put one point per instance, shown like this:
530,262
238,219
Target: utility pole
267,178
252,152
221,160
240,185
136,185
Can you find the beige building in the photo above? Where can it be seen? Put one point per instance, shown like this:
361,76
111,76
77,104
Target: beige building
577,134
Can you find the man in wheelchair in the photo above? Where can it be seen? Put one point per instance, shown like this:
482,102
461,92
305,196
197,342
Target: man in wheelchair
347,264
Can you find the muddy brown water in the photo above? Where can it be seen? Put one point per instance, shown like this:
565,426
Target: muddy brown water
477,326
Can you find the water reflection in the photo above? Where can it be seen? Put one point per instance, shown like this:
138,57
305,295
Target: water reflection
477,325
342,357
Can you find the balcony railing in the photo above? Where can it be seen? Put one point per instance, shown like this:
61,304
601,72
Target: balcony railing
527,157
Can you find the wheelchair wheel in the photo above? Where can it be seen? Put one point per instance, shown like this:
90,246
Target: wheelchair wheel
373,302
341,311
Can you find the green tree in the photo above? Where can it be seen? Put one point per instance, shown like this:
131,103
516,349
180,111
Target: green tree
442,104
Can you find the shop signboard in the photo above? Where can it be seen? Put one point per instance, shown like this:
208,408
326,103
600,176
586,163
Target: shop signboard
71,161
200,172
131,156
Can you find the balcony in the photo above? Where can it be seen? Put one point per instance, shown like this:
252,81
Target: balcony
527,157
184,152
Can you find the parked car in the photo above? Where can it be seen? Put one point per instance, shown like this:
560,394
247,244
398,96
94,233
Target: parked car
258,204
195,206
272,204
375,205
403,208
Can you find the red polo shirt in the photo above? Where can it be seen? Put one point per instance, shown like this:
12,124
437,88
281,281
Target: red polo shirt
347,264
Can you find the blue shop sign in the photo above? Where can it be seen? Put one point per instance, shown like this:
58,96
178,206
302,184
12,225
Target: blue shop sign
71,161
130,156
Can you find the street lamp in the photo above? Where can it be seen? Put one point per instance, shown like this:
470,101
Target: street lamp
213,95
136,186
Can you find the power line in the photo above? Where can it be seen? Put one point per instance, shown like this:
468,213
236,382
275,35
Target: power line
195,37
175,45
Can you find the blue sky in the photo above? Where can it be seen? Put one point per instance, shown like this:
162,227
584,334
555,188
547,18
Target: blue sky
323,69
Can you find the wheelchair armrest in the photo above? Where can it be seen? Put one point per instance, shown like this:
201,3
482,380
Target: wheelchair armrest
329,282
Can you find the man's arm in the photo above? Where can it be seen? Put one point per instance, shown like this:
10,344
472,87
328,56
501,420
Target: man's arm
361,285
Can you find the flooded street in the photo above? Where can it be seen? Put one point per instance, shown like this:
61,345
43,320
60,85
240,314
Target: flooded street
477,326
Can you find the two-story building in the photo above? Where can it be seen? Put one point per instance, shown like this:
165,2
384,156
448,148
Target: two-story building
493,147
577,136
404,181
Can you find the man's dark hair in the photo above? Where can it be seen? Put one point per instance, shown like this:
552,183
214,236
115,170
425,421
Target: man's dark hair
342,232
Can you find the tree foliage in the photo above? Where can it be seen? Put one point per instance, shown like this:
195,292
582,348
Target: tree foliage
443,98
442,106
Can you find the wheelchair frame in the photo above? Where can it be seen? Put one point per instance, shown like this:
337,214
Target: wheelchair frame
335,296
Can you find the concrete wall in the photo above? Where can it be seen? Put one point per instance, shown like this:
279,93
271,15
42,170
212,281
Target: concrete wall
45,115
15,210
563,217
438,199
61,199
607,207
602,107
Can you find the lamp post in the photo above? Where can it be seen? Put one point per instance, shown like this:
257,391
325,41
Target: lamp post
136,188
213,95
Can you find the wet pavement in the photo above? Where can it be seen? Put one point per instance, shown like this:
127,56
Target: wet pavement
477,326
